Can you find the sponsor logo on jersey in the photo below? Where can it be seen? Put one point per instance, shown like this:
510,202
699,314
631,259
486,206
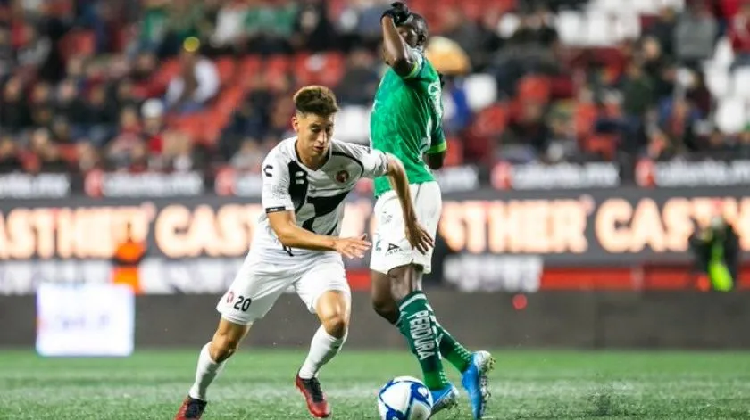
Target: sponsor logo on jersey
342,176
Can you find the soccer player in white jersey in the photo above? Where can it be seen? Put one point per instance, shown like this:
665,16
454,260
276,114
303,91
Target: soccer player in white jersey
305,181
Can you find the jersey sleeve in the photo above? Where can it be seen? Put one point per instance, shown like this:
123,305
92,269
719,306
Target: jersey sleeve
418,60
275,190
374,162
438,143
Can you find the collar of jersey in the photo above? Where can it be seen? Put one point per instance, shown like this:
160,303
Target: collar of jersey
299,160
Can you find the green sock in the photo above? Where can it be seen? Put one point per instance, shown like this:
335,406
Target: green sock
452,350
417,323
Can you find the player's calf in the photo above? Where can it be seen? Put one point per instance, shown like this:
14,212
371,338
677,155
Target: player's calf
211,361
332,308
382,298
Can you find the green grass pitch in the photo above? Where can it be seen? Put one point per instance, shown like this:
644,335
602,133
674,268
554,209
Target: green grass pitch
259,385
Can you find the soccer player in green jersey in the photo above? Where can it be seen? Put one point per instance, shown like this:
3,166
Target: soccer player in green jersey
407,122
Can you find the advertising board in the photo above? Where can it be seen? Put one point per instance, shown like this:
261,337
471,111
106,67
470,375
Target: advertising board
532,230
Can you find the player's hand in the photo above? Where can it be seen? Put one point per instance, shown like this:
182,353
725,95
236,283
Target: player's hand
398,12
352,247
418,236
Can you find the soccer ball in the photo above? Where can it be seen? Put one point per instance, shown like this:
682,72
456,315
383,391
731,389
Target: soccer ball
404,398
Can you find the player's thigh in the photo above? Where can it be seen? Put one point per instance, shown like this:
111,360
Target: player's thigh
391,248
323,287
429,206
254,291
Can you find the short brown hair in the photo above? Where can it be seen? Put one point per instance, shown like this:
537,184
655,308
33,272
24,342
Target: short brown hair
318,100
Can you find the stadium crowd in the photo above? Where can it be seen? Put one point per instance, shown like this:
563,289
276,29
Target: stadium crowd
186,84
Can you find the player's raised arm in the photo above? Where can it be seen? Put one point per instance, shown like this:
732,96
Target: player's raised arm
398,55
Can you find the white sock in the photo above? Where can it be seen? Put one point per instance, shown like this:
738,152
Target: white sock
205,373
323,348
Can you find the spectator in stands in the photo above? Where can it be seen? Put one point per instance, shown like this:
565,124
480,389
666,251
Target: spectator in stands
530,50
42,105
677,120
658,67
102,115
717,145
313,30
742,149
268,27
695,34
197,83
71,106
529,128
87,157
152,24
9,161
122,147
363,17
152,112
663,29
15,114
659,147
638,94
46,152
62,133
458,111
464,32
361,79
249,157
178,154
182,22
7,59
230,27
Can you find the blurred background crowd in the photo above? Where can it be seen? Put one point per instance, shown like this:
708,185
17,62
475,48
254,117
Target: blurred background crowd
185,84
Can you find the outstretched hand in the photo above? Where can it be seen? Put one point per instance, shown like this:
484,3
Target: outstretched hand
352,248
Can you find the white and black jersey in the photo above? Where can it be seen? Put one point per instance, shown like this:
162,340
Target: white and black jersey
316,196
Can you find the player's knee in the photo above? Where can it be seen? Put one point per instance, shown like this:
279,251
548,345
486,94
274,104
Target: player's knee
226,340
336,324
223,347
386,308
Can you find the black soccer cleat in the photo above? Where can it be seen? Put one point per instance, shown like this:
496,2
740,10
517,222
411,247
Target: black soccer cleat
191,409
316,400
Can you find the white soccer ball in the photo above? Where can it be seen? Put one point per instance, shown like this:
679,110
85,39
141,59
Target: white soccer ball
404,398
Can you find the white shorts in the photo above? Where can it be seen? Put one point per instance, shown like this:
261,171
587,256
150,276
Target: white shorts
392,249
261,281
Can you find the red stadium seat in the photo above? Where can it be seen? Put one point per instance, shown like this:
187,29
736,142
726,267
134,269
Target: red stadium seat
68,152
276,66
249,67
166,72
227,67
455,154
319,69
534,89
603,145
490,121
78,42
584,118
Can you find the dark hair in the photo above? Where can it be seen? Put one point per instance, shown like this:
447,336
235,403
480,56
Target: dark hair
318,100
420,20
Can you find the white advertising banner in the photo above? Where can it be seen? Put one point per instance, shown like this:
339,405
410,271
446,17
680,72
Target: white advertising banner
95,320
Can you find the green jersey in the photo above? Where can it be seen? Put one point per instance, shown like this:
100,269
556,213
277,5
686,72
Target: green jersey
407,119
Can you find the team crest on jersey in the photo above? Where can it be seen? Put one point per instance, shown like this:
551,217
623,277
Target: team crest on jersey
342,176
